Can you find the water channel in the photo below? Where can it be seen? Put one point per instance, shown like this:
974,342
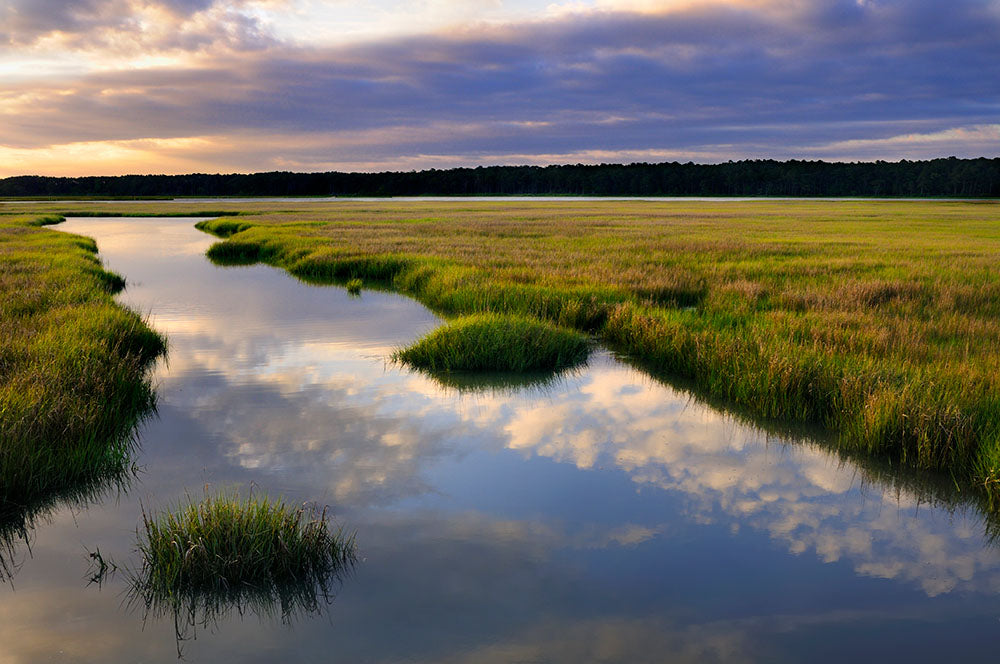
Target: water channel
598,516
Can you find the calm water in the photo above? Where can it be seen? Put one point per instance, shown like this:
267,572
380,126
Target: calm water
601,517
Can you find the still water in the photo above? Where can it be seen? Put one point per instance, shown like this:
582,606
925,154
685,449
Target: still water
601,516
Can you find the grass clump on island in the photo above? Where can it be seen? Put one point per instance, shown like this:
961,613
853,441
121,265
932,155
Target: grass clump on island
73,365
224,543
494,342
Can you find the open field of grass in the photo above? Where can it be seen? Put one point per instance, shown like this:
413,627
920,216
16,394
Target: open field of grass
73,366
878,320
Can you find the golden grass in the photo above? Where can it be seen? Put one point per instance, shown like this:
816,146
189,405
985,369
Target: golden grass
880,320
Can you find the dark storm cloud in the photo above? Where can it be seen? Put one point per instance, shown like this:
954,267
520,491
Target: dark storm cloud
751,81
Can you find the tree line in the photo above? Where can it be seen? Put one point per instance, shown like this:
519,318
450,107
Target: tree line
951,177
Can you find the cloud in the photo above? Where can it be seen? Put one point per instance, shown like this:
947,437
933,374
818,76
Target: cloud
931,144
707,81
130,27
24,21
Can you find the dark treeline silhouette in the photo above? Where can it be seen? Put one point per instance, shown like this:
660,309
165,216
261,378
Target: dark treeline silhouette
949,177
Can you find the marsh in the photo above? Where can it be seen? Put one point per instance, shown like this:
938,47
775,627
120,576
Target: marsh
599,509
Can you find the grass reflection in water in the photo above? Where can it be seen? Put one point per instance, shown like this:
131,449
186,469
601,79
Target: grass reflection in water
204,561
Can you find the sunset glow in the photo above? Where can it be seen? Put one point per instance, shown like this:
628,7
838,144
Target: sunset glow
150,86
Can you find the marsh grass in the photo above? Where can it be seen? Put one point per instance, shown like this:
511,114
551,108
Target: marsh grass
207,560
354,286
495,342
877,320
73,364
225,542
147,212
936,488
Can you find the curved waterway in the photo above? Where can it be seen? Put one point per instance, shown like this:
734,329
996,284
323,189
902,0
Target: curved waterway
600,516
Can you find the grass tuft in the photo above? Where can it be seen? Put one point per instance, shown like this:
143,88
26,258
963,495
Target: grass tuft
225,542
235,252
204,561
494,342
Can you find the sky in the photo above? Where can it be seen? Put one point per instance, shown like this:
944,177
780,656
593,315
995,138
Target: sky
106,87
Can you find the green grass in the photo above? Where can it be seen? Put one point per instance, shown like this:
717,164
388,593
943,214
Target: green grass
492,342
203,561
147,212
877,320
354,286
73,365
225,542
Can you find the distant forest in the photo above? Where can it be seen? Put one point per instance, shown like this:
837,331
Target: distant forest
951,177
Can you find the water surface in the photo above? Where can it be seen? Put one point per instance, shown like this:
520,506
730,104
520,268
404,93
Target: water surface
601,516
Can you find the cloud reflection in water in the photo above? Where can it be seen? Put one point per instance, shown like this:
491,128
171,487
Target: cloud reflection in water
321,410
601,513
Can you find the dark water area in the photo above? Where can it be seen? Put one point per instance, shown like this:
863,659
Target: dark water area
598,516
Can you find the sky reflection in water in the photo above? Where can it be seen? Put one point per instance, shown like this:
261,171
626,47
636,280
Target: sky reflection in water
600,517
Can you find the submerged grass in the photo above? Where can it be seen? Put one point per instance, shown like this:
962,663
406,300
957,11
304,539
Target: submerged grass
501,383
73,364
204,560
225,541
494,342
